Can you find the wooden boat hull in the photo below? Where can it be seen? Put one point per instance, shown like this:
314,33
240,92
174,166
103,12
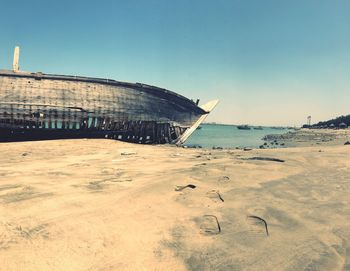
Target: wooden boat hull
36,106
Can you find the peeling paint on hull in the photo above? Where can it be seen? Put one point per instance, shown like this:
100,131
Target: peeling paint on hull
36,106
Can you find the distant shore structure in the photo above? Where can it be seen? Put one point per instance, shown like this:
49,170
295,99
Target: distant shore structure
38,106
309,120
341,122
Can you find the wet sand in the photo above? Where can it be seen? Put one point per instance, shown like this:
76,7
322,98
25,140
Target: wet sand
108,205
309,137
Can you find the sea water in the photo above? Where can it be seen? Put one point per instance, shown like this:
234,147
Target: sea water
229,136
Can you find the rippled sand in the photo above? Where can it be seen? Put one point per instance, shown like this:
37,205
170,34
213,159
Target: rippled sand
107,205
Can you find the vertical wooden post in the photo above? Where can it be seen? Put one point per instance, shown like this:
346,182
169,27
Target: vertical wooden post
16,59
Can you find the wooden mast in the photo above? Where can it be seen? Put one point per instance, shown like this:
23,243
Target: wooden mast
15,66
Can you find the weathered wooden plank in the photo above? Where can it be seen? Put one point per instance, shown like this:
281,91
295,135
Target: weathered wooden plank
133,112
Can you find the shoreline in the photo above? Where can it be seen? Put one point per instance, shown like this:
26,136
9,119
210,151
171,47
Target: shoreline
107,205
293,139
309,137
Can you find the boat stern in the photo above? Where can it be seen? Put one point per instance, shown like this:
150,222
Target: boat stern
208,107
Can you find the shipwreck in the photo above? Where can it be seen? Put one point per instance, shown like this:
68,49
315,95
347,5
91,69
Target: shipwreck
38,106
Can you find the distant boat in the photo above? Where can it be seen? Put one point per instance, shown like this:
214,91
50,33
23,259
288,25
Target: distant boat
243,127
258,128
199,127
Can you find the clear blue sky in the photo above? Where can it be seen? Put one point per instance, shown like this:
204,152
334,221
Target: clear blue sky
269,62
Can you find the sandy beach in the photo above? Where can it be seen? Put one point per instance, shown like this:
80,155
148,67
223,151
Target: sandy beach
308,138
108,205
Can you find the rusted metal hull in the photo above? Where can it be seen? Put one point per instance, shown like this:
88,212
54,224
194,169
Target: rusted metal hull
36,106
